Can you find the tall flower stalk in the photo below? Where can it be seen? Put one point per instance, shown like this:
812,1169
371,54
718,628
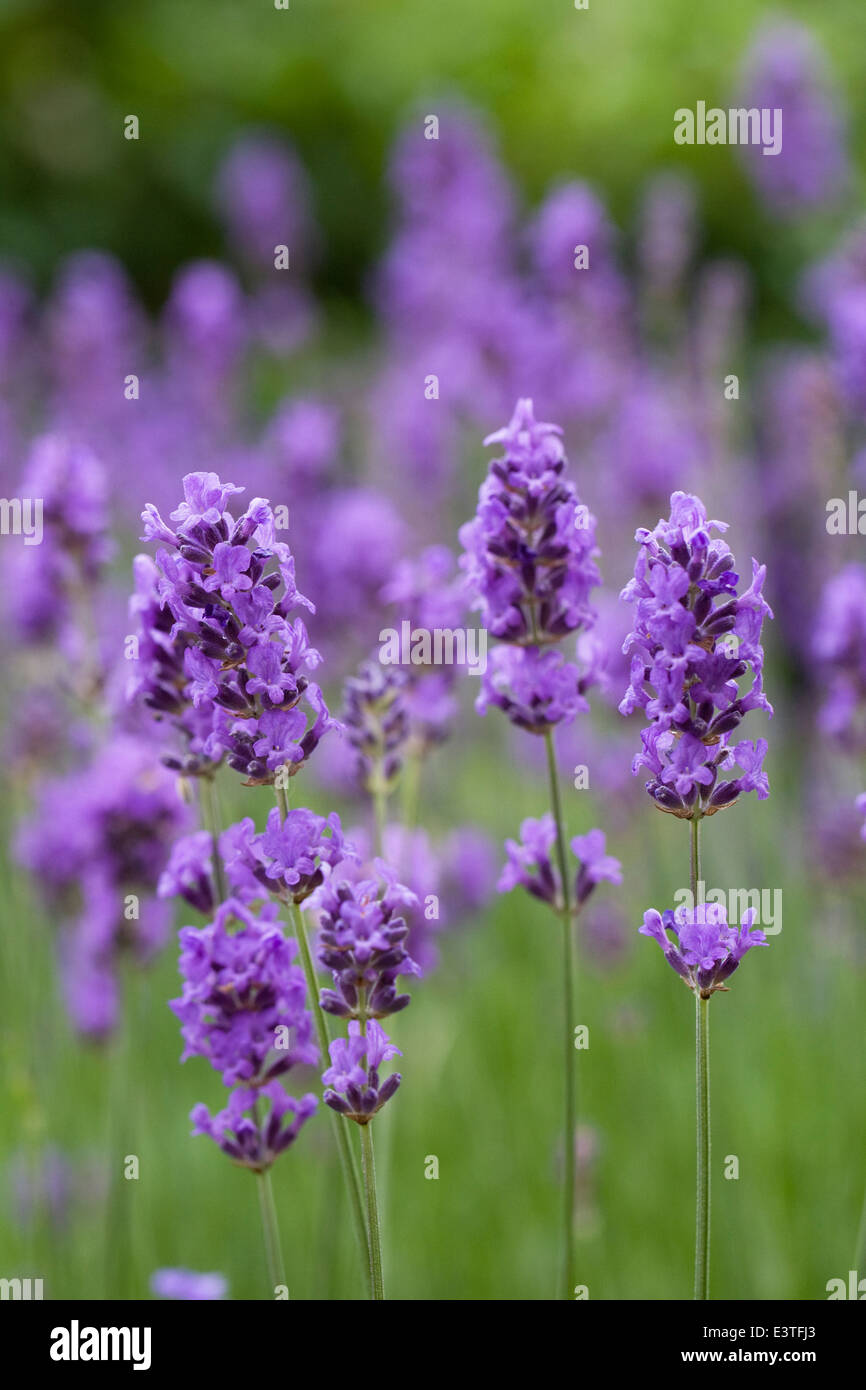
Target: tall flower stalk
222,659
361,941
695,639
530,565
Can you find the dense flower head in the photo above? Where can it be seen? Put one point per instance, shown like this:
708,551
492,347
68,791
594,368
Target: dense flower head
290,857
786,70
707,950
257,1125
243,1005
67,481
531,864
230,588
362,932
530,549
694,638
116,843
426,589
839,646
126,815
537,689
263,196
459,874
352,1079
375,721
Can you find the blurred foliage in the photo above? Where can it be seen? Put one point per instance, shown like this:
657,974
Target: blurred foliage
589,93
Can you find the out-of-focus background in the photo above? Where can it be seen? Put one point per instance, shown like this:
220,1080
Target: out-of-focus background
409,258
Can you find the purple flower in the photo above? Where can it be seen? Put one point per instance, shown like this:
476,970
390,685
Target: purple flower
595,865
292,855
263,196
531,864
785,70
51,578
536,689
188,873
229,586
257,1125
243,1004
188,1286
694,639
355,1090
839,646
530,549
706,951
362,933
376,723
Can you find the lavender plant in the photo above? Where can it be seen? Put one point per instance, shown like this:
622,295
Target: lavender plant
695,638
362,942
236,656
243,1008
530,562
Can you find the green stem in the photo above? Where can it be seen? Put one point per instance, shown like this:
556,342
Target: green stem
412,786
369,1164
210,815
702,1091
695,857
568,964
702,1210
271,1231
380,816
341,1136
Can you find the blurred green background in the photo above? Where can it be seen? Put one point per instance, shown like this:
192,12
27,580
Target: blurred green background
585,93
588,92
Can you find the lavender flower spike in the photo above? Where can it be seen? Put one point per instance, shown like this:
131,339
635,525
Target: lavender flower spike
707,951
694,640
355,1090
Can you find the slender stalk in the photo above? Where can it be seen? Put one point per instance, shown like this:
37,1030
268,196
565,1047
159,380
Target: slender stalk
344,1146
568,964
702,1092
369,1165
695,857
411,790
271,1230
380,815
210,815
702,1209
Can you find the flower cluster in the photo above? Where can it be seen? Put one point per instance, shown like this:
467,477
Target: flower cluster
243,1008
839,646
529,559
707,951
230,587
98,841
290,857
531,864
355,1090
362,940
60,573
376,723
694,638
428,595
